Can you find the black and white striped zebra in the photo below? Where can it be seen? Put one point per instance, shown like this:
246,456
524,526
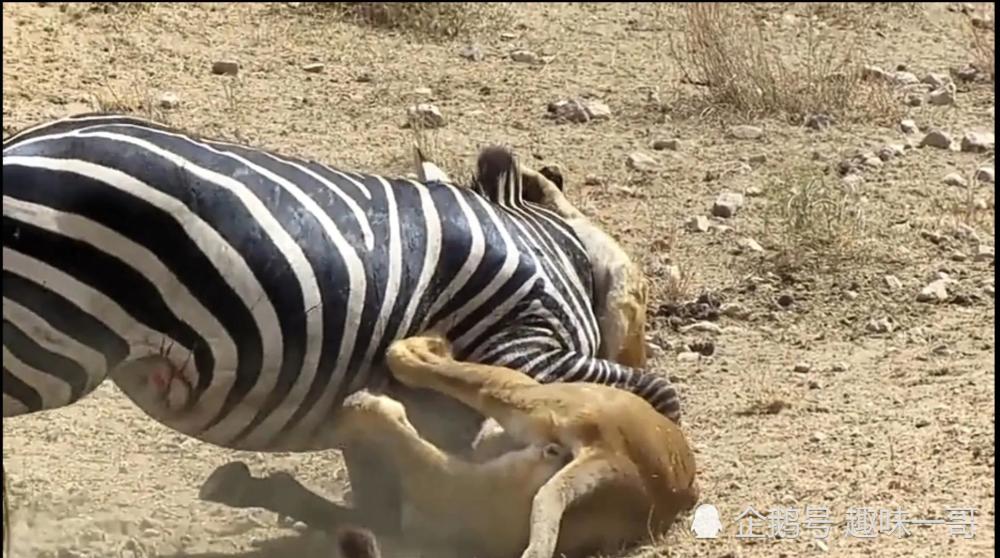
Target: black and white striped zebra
273,283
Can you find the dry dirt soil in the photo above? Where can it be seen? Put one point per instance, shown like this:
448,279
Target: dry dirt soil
803,401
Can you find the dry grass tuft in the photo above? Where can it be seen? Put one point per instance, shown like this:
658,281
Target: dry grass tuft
815,220
981,34
429,19
726,51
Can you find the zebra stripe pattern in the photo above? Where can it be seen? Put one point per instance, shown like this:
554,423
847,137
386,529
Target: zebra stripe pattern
275,283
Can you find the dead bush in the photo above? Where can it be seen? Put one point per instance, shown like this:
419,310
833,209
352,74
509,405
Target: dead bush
814,219
726,51
981,36
429,19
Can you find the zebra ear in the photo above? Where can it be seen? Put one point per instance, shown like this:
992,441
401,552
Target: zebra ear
426,170
553,173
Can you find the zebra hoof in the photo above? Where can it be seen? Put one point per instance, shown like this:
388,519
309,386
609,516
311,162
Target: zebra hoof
227,485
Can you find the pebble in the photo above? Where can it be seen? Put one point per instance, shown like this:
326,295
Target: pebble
785,300
838,367
225,67
672,144
702,326
597,110
880,325
819,121
472,52
955,179
803,368
977,142
984,253
905,78
913,99
580,111
727,204
936,80
688,356
169,101
524,57
984,175
891,151
425,115
937,138
749,245
758,159
957,256
746,132
313,68
909,126
942,97
642,162
874,72
893,282
817,437
698,223
753,191
734,310
935,291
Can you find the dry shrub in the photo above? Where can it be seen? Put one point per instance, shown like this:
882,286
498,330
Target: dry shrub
429,19
727,51
815,220
982,39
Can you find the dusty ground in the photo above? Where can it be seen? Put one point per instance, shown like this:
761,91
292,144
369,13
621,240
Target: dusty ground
899,420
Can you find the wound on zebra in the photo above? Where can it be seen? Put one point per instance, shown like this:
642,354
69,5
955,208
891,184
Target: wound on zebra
593,469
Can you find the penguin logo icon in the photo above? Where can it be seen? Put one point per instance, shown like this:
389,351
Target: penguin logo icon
706,523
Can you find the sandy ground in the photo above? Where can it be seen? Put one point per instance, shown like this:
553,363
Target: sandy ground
896,422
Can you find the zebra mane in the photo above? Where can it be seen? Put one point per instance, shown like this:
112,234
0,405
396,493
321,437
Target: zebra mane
498,176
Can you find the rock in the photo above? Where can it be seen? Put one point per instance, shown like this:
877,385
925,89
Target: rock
908,126
984,175
702,326
525,57
425,115
758,159
225,67
597,110
955,179
734,310
169,100
745,132
698,223
819,121
905,78
871,161
941,97
747,244
592,180
802,367
580,111
672,144
642,162
313,68
935,291
890,151
967,73
472,52
893,282
817,437
838,367
936,138
688,356
977,142
727,204
984,253
936,81
753,191
880,325
785,300
957,256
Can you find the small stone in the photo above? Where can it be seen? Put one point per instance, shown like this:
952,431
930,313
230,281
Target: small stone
851,295
226,67
880,325
688,356
935,291
932,237
817,437
169,101
913,99
819,121
524,57
592,180
921,423
890,151
734,310
936,80
597,110
672,144
905,78
957,256
909,126
967,73
977,142
893,282
423,92
937,138
314,68
984,253
727,204
838,367
472,52
642,162
747,244
425,115
745,132
871,161
874,72
803,368
702,326
758,159
753,191
785,300
984,175
698,223
813,384
945,96
955,179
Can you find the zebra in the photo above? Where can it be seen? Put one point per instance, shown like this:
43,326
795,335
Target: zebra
238,295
